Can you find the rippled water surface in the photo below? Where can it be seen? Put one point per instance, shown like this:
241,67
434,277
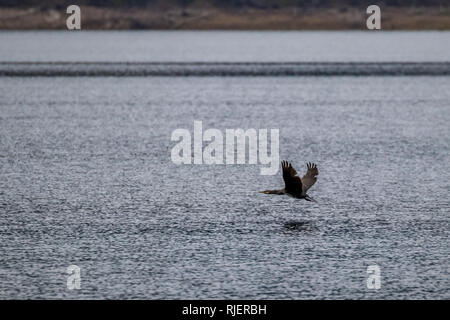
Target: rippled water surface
87,179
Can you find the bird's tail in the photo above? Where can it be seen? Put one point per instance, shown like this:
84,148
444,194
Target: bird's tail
308,198
273,192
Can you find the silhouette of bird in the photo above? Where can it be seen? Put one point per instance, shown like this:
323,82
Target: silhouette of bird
294,186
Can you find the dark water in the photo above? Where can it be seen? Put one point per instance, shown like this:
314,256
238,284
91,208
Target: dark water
120,69
87,179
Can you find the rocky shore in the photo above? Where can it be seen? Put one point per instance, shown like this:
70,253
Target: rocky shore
95,18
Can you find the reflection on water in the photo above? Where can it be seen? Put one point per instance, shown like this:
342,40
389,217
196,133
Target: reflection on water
299,226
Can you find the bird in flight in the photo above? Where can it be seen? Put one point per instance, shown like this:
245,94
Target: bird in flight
294,186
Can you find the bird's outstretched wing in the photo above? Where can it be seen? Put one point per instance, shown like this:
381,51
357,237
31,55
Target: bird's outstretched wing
293,184
310,177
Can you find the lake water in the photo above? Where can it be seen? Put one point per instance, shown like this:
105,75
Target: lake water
225,46
87,179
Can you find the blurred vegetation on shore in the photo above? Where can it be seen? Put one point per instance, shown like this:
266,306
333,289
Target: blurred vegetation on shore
226,14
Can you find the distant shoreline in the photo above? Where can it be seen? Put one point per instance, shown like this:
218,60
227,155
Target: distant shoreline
95,18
